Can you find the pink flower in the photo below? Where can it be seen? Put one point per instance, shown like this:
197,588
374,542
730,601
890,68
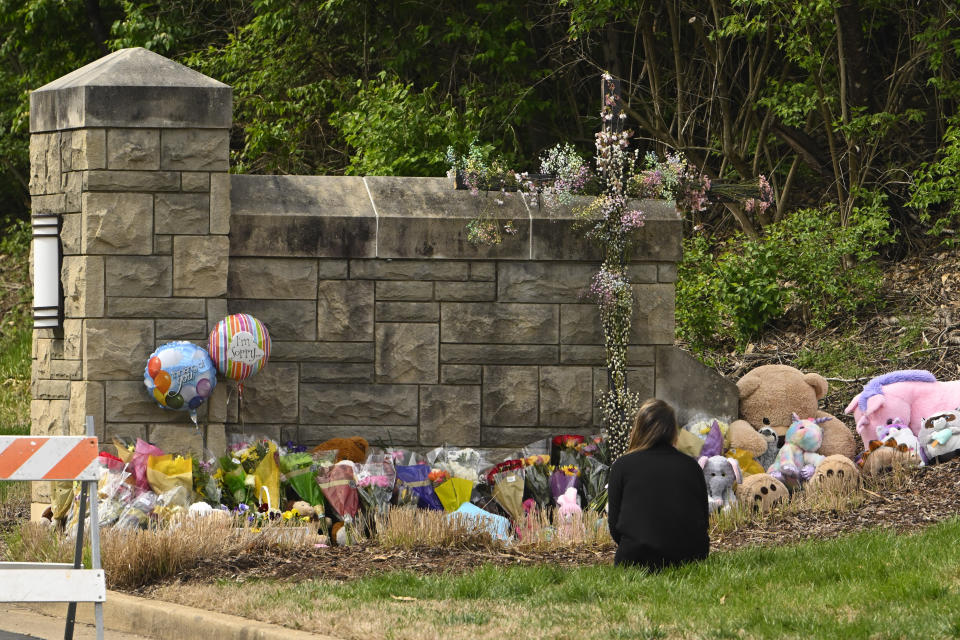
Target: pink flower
374,481
632,220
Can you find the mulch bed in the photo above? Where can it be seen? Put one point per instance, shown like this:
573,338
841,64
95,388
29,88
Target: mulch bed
928,495
925,496
364,560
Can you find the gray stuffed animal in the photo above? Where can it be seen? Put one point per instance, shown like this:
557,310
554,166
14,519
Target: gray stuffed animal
939,438
722,474
766,458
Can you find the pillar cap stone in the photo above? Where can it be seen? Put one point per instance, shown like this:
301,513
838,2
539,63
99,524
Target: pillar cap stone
131,88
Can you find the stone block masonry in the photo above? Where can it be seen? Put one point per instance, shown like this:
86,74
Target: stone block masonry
123,150
401,331
386,322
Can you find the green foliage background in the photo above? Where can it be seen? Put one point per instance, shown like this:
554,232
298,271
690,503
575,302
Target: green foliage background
848,108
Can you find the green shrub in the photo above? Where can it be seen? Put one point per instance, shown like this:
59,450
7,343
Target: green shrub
16,329
394,130
810,262
936,188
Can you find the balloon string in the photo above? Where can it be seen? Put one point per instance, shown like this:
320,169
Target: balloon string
240,407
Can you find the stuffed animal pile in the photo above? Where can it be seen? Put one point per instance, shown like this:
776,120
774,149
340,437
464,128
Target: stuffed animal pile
782,441
772,394
776,446
907,418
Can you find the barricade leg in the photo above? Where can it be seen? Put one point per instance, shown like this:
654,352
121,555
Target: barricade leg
95,553
77,560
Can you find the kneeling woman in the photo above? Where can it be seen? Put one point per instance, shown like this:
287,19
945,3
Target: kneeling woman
657,496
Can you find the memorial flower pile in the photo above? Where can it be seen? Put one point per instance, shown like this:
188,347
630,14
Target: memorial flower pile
256,481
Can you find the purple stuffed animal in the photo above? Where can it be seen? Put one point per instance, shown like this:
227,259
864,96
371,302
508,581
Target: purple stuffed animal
907,397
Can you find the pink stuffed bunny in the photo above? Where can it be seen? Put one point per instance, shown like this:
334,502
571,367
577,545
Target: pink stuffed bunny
568,504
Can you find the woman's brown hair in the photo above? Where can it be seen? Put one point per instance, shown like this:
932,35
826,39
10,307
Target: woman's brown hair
655,423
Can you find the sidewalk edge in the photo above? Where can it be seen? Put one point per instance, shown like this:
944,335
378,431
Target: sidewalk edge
168,621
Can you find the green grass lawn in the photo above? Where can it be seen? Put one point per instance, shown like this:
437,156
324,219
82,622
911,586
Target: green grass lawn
875,584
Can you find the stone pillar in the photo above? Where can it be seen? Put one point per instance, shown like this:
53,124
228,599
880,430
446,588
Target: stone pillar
129,150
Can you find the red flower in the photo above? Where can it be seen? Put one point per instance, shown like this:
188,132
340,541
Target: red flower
569,441
506,465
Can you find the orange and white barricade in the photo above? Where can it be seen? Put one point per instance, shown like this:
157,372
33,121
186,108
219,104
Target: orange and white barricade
57,458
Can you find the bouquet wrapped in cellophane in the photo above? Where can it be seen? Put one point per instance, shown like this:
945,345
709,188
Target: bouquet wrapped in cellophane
375,480
536,473
593,482
250,474
458,462
205,485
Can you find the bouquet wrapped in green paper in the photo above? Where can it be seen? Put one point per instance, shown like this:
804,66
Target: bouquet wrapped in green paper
299,472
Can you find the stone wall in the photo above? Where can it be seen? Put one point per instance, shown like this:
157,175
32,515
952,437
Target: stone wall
386,323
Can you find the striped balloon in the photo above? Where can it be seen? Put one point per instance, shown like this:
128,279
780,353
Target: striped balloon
239,345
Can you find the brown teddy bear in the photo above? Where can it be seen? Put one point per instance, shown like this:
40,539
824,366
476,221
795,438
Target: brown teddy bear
354,448
771,394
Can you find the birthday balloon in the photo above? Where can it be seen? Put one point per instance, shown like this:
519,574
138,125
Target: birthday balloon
180,376
240,346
